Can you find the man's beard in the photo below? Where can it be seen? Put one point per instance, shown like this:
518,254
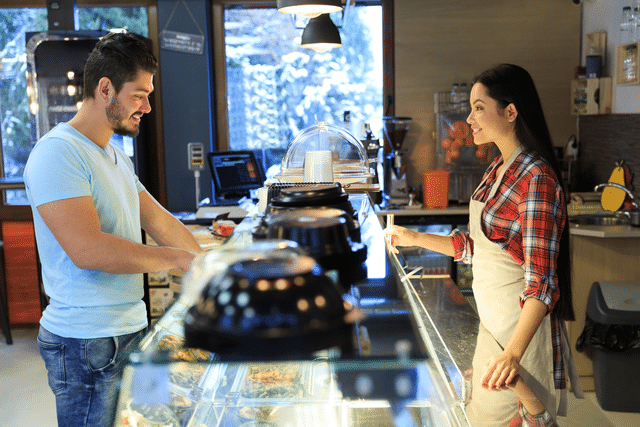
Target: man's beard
115,117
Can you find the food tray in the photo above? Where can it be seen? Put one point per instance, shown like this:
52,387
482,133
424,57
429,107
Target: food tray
187,366
272,381
147,415
240,399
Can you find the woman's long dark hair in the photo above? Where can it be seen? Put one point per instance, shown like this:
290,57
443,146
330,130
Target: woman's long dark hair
511,84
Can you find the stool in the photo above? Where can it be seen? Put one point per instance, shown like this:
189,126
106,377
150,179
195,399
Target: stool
4,318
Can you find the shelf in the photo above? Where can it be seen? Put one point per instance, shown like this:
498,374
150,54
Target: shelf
628,64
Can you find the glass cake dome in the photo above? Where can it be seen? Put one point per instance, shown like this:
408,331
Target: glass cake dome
350,163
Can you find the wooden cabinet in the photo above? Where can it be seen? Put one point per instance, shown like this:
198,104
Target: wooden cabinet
21,272
597,259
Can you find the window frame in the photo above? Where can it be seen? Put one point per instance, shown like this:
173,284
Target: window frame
23,212
220,114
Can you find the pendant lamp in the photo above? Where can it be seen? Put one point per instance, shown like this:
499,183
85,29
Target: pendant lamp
309,8
321,34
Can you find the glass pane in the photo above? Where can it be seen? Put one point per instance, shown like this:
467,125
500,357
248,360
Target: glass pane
133,19
275,88
14,114
15,125
16,138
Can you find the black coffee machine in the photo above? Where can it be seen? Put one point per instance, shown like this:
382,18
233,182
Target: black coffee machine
395,166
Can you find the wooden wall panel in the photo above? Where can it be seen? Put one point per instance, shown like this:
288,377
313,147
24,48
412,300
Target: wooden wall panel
440,42
596,260
21,272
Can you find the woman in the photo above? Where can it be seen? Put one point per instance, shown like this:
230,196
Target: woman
519,249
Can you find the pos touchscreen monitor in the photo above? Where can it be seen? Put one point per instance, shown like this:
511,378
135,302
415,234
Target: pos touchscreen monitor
234,174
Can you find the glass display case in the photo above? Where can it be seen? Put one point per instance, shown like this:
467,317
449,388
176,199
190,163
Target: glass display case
325,146
414,344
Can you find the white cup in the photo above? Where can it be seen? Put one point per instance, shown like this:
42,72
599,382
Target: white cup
263,194
318,166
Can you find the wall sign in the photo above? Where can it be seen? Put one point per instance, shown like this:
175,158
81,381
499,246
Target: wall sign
182,42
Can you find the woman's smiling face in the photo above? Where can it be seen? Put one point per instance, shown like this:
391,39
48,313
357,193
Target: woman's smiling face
489,122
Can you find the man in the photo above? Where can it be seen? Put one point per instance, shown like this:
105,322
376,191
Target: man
89,208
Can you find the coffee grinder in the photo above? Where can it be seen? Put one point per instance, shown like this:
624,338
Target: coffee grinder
395,169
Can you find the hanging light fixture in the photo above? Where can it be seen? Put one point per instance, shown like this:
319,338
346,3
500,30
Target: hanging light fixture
309,8
321,34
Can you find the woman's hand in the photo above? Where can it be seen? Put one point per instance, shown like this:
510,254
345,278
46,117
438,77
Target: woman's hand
399,236
500,371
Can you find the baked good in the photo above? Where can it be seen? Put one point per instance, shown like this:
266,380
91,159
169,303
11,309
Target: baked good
272,381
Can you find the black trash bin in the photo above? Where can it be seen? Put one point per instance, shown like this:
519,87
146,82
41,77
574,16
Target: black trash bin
611,338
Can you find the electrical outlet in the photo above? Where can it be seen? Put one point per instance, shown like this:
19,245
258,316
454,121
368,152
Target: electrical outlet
196,156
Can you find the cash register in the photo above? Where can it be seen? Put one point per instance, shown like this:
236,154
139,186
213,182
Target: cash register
235,174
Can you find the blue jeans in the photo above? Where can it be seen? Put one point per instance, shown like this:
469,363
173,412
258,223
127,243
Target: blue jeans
84,375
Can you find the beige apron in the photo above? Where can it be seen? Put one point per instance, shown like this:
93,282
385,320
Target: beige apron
498,282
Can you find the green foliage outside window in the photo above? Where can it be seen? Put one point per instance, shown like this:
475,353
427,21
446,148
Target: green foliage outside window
275,88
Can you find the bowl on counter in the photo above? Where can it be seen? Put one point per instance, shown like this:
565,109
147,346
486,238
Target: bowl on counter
269,308
330,236
310,195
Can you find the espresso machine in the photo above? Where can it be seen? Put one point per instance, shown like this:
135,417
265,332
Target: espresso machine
395,168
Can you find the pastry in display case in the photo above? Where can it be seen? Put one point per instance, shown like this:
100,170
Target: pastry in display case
263,336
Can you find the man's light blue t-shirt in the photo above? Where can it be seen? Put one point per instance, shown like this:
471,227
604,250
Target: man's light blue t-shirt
85,303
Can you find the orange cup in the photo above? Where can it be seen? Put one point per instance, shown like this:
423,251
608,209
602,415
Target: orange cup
435,188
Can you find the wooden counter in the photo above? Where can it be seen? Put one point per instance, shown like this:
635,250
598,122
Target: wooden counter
597,256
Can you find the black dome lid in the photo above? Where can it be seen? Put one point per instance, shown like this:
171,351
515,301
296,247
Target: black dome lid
268,308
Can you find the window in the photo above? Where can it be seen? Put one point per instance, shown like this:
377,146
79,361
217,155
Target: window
14,106
15,127
275,88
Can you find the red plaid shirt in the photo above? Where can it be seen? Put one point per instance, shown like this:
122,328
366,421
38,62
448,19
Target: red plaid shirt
525,217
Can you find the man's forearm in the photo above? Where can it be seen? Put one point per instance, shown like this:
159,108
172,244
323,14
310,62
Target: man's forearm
176,235
116,255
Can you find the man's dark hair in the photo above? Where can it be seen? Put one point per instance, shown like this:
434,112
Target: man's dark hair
119,56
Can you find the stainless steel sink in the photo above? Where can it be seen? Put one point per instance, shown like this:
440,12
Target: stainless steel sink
598,220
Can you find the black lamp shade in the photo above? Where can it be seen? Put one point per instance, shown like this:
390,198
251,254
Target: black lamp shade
321,34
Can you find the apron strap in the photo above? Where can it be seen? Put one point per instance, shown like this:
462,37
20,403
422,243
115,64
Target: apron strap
570,366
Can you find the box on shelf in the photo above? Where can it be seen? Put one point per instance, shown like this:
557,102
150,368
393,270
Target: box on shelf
159,300
628,64
160,293
591,96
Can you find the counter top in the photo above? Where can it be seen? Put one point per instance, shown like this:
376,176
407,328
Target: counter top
413,326
601,231
605,231
421,211
445,319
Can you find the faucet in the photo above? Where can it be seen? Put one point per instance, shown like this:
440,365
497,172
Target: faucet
621,187
634,215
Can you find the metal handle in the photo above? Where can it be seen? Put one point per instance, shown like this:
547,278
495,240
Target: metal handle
621,187
613,184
